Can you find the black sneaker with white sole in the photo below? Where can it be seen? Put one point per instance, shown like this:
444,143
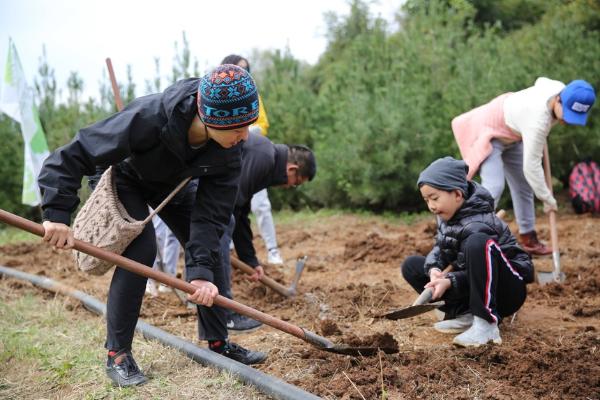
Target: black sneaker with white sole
123,371
237,323
240,354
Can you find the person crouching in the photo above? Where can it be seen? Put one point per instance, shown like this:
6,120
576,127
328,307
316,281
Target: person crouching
489,269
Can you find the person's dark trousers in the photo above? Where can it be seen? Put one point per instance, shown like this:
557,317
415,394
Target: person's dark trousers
212,321
413,271
127,289
496,289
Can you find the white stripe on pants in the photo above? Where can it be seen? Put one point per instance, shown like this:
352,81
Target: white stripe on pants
506,163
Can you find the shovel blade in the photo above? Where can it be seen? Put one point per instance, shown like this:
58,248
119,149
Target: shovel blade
545,278
411,311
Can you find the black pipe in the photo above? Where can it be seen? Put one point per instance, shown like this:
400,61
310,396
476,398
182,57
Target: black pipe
266,384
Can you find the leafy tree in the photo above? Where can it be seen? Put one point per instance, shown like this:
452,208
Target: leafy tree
378,104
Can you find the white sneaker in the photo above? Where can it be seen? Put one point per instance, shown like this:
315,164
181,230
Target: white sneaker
274,257
479,334
162,288
457,325
439,315
151,288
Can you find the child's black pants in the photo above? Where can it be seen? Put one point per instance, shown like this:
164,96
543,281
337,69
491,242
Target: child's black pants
494,288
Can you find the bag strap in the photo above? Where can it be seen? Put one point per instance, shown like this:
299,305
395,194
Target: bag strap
166,200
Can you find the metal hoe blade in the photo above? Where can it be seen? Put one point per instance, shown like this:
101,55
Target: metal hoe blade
556,275
411,311
419,306
299,268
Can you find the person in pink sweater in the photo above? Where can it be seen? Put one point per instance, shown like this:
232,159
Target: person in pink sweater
504,140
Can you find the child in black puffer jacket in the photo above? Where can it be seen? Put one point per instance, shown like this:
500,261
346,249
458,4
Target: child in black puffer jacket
489,270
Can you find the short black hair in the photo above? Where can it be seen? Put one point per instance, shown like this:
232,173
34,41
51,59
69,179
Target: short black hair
304,158
235,59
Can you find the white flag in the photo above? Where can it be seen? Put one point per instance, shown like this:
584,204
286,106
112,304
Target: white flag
16,100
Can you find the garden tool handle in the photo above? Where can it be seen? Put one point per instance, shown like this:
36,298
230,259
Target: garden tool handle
114,84
552,215
276,286
424,297
427,294
140,269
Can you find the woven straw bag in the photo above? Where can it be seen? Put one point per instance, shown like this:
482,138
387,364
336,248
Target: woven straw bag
104,222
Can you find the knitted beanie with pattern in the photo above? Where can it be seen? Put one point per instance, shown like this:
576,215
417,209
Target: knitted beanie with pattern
227,98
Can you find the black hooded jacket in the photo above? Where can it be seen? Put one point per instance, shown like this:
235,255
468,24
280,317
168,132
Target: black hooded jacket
148,144
264,164
475,216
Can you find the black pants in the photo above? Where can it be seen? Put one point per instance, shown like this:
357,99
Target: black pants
495,288
127,289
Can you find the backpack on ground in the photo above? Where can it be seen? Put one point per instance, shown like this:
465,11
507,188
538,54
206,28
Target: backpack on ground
584,187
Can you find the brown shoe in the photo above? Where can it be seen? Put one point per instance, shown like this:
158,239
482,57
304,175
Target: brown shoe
531,244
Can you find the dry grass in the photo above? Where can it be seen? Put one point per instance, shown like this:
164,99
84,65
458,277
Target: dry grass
50,352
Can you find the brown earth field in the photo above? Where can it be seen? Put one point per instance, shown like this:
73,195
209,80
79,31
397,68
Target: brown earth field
550,350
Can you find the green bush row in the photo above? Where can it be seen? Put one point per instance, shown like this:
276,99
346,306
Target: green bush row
377,106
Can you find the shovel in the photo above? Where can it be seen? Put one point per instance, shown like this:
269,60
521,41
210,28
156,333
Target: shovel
420,306
318,341
556,275
269,282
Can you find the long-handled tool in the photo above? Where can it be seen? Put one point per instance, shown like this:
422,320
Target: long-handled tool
269,282
419,306
318,341
115,86
299,268
556,275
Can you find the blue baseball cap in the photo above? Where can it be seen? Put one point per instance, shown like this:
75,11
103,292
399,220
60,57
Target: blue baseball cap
577,98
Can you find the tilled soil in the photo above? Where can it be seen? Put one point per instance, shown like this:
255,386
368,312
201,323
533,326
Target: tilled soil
550,350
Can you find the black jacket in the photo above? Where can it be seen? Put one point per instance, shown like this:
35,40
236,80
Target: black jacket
475,216
263,165
148,143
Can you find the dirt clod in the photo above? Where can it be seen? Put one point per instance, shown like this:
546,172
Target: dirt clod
329,328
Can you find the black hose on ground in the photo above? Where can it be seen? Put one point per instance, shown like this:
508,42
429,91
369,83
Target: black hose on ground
266,384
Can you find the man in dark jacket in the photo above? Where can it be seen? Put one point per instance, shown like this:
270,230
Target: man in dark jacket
264,164
490,270
195,128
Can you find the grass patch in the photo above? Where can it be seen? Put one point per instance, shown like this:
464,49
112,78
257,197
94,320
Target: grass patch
10,235
308,217
49,352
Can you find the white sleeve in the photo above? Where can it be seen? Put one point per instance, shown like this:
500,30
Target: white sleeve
534,140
